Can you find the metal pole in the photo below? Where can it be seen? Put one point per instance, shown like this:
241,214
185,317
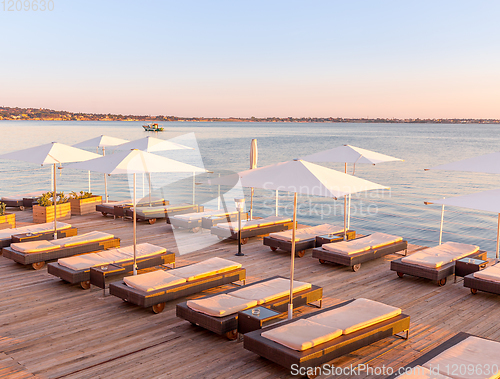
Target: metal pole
292,264
345,207
89,181
194,179
239,234
135,228
441,225
276,213
498,235
251,203
55,204
149,175
218,196
105,179
143,193
349,212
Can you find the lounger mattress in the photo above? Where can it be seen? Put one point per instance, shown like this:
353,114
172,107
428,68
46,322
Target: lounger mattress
373,241
307,233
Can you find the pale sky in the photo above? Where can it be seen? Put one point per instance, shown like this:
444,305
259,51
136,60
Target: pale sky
404,59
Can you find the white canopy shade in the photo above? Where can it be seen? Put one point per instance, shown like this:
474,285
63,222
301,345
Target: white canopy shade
300,177
151,144
134,162
488,163
488,201
101,141
349,154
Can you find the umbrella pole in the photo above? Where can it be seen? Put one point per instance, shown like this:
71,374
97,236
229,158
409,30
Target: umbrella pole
349,212
194,183
251,204
218,196
276,212
149,174
498,234
292,264
441,225
135,225
105,179
55,204
345,207
89,181
143,194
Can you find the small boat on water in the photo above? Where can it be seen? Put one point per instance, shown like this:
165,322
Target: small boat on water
152,128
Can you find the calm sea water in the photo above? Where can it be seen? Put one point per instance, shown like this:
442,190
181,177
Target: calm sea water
224,147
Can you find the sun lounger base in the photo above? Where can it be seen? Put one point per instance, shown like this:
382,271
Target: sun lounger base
477,284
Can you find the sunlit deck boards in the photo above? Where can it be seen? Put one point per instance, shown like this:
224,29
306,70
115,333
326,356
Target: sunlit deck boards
50,329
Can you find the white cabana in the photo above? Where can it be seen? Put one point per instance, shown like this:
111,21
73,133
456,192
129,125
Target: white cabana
488,201
305,178
487,163
51,153
101,142
134,162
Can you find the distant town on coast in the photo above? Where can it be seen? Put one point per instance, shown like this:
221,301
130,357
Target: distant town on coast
43,114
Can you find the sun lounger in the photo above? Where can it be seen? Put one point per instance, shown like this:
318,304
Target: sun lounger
112,263
195,221
310,341
197,277
353,253
436,263
219,313
252,228
35,232
305,238
151,214
22,201
463,356
117,208
36,253
487,280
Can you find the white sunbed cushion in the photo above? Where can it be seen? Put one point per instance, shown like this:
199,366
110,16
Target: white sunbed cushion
220,305
373,241
205,268
84,261
302,334
307,233
359,314
197,215
437,256
269,290
152,281
471,352
253,223
489,273
458,250
83,239
420,372
34,246
37,228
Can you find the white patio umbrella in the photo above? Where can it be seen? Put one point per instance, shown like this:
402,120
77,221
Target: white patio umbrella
134,162
349,154
488,201
298,176
254,155
103,142
150,145
51,153
488,163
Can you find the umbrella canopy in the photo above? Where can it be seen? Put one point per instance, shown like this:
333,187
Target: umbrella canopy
300,177
488,201
349,154
151,144
253,164
101,141
134,162
488,163
51,153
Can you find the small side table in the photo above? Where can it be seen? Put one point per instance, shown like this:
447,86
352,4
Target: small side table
100,274
248,322
466,266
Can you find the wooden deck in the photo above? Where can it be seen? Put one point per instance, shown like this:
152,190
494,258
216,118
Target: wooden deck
50,329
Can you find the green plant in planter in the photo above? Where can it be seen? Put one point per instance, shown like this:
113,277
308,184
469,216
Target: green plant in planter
2,209
82,195
46,200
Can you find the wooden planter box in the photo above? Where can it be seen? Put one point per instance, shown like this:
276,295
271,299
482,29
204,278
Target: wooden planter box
46,214
84,206
8,219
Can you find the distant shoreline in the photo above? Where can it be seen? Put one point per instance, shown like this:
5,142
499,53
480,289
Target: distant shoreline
42,114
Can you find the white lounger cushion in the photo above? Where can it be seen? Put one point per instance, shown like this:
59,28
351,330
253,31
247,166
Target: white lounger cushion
302,334
199,215
435,257
34,246
206,268
82,239
307,233
359,314
253,223
489,273
269,290
151,281
359,245
471,352
420,372
36,228
220,305
86,261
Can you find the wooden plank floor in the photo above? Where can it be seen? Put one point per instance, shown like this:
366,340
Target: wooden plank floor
49,329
